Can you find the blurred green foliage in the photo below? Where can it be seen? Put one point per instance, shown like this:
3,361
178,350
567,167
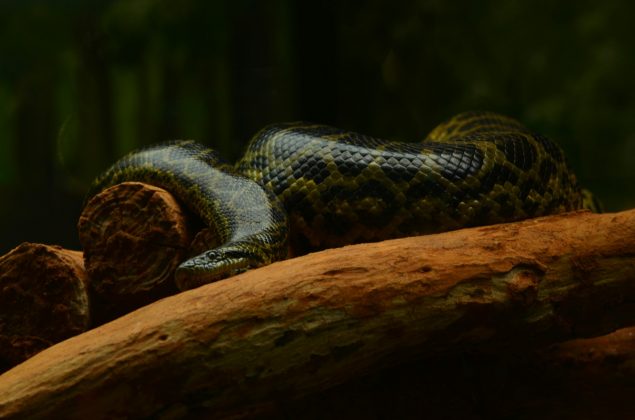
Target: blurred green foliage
83,82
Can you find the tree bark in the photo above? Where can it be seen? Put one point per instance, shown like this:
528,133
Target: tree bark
304,325
43,300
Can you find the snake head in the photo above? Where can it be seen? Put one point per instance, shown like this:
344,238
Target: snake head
213,265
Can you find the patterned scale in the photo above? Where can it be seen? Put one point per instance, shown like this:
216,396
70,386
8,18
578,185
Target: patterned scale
246,217
324,187
340,187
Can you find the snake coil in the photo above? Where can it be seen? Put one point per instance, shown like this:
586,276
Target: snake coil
320,187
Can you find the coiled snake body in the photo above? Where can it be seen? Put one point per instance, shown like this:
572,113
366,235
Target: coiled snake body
323,187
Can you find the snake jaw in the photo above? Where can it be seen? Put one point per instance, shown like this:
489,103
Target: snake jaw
211,266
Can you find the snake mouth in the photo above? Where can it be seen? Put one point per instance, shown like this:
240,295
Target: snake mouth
209,267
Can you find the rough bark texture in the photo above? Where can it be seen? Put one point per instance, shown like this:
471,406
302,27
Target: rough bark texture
134,236
43,300
304,325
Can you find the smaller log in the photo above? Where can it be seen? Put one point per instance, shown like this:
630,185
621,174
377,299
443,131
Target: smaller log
608,357
43,300
134,236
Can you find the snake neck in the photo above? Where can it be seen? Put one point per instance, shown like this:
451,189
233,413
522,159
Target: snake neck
238,210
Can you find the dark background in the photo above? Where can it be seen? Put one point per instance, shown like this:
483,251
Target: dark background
82,82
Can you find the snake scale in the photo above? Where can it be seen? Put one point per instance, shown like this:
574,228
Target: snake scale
319,186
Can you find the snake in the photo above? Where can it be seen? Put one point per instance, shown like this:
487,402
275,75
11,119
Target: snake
311,186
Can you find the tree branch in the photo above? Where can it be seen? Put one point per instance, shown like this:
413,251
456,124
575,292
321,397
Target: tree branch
303,325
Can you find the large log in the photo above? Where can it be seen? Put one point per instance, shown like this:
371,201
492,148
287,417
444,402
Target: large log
307,324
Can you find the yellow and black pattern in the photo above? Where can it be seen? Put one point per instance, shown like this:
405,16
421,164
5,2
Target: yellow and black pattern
249,221
331,187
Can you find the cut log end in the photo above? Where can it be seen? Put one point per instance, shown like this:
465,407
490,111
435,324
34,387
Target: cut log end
134,237
43,300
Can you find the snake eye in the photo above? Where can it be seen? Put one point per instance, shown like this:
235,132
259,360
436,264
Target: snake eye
212,266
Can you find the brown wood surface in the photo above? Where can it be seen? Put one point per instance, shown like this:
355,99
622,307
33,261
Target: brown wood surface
43,300
302,326
134,236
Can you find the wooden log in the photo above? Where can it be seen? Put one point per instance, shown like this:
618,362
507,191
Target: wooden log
591,378
134,236
304,325
43,300
616,349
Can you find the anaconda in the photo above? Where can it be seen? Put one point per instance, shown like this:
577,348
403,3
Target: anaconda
319,187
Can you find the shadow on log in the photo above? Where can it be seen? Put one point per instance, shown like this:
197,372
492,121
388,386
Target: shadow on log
302,326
